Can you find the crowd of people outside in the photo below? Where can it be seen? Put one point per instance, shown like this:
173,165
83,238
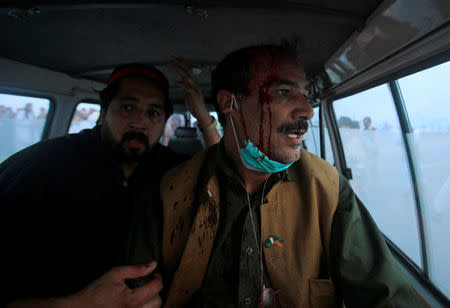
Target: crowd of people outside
83,115
420,125
22,113
347,122
21,125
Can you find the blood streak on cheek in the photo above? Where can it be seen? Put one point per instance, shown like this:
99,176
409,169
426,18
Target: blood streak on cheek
263,66
265,99
269,110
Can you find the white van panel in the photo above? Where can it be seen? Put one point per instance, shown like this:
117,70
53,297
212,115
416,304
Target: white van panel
393,26
64,91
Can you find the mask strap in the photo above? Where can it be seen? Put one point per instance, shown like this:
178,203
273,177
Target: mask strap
234,103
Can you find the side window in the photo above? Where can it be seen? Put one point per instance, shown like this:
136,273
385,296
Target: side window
219,127
312,138
375,152
85,116
174,121
193,121
426,96
328,150
22,121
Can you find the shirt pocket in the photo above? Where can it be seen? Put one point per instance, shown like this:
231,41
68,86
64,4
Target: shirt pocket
322,294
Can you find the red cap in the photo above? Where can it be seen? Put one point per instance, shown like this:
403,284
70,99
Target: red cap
145,71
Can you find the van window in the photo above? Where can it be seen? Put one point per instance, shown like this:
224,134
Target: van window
193,121
426,96
375,152
22,121
312,138
84,117
174,121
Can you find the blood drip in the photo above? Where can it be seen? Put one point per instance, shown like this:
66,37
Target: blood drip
263,66
269,110
265,98
262,94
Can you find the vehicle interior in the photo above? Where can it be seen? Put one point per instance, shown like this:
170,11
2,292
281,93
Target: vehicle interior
379,73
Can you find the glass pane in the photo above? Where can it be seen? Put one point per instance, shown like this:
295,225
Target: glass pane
84,117
426,98
193,122
219,127
312,138
375,152
175,120
22,121
328,150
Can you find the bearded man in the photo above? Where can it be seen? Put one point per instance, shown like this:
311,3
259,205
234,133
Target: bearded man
256,220
67,203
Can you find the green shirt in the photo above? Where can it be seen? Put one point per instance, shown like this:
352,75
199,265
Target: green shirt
233,270
232,277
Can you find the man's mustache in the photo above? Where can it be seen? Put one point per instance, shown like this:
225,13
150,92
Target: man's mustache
133,135
294,127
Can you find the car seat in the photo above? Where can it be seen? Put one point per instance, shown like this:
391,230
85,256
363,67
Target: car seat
186,141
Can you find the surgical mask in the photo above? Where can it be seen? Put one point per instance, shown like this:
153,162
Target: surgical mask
251,156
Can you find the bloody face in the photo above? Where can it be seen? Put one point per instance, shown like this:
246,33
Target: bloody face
134,120
274,114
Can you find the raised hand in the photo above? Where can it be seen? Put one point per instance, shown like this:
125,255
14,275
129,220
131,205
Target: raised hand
194,96
195,101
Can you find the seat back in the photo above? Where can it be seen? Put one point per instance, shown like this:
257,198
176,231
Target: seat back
186,141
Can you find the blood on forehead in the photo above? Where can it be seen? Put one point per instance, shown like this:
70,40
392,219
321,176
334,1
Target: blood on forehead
263,68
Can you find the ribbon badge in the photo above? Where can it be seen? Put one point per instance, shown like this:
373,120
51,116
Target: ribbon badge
274,240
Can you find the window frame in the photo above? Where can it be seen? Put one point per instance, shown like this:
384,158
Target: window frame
405,127
32,94
322,143
419,277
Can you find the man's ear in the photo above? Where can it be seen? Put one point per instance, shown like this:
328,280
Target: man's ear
224,101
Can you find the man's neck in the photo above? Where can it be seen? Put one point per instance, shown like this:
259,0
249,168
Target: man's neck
128,169
252,180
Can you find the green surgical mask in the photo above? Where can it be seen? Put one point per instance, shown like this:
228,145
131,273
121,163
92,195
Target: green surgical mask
252,157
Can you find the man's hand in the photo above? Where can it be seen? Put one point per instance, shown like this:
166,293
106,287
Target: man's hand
109,290
194,96
195,101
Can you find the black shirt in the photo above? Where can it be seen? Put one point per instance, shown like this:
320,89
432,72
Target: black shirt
66,211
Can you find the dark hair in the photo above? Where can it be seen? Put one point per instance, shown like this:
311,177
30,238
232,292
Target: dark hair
235,71
149,72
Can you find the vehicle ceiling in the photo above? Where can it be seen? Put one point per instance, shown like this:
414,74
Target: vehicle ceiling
87,40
